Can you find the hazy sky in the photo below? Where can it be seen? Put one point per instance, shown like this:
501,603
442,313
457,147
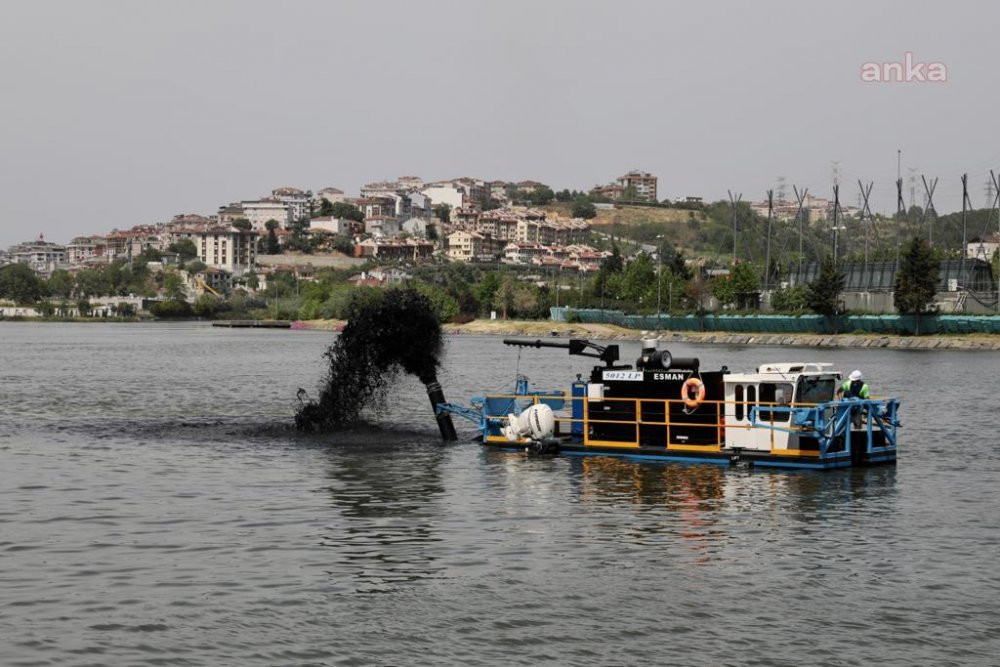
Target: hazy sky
128,112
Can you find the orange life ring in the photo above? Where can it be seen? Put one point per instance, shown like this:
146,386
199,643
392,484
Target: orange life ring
699,388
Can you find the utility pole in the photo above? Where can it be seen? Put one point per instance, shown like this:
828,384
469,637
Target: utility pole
966,205
900,213
659,271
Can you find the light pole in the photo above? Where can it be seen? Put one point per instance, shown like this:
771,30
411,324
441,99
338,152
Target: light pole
659,271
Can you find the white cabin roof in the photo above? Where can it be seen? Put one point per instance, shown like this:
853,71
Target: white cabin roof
795,367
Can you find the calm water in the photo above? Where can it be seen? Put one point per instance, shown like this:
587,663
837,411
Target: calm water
156,510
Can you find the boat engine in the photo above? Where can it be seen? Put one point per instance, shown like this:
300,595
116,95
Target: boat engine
537,423
653,358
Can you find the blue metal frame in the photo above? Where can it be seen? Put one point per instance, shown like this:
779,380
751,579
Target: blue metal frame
876,412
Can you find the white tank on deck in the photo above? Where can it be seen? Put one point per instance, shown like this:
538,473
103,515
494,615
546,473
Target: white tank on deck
537,423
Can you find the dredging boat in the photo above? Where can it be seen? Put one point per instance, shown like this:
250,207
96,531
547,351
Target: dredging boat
667,408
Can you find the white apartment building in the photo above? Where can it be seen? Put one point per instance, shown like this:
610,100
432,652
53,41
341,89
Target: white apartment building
466,246
444,194
297,201
228,248
331,224
332,195
85,248
258,212
42,256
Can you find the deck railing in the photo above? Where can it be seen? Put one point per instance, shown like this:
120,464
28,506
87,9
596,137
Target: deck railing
827,421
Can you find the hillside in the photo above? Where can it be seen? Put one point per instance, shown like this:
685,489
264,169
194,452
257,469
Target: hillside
642,223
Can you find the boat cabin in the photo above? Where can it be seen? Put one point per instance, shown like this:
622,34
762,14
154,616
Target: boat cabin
748,397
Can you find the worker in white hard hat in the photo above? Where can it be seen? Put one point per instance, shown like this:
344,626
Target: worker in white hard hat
854,386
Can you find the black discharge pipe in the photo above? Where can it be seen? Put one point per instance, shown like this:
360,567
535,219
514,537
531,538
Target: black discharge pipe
445,425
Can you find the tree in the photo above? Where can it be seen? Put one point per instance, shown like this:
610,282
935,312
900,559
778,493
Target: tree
173,287
541,195
917,280
740,288
185,249
272,237
242,223
253,282
443,213
195,266
486,289
823,294
326,208
20,284
789,299
503,298
344,210
639,279
584,208
60,284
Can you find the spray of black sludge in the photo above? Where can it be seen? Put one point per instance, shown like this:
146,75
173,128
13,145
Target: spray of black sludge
386,333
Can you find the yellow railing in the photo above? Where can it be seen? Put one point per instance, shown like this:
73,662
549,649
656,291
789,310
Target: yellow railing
638,403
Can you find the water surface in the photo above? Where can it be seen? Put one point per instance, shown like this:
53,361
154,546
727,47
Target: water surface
156,509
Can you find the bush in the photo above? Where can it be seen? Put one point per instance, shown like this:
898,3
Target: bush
790,299
171,308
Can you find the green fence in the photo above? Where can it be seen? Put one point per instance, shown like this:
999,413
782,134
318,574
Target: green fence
872,324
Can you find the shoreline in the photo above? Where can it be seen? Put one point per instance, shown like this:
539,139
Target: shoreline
548,329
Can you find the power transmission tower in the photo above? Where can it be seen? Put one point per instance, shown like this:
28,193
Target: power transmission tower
800,197
781,189
767,255
836,220
866,212
989,192
929,208
835,172
734,201
913,185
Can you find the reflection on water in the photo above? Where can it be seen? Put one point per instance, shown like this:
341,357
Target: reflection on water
385,500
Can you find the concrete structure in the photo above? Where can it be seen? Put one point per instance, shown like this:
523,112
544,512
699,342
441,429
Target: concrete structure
394,249
382,226
373,207
983,248
415,227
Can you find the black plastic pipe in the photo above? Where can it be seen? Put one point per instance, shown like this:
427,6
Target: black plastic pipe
445,425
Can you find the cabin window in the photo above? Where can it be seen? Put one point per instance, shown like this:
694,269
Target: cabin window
738,395
815,389
751,398
779,393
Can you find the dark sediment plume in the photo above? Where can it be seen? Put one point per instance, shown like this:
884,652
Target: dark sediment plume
388,332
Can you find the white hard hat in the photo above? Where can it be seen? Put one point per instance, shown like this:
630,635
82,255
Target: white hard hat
855,376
